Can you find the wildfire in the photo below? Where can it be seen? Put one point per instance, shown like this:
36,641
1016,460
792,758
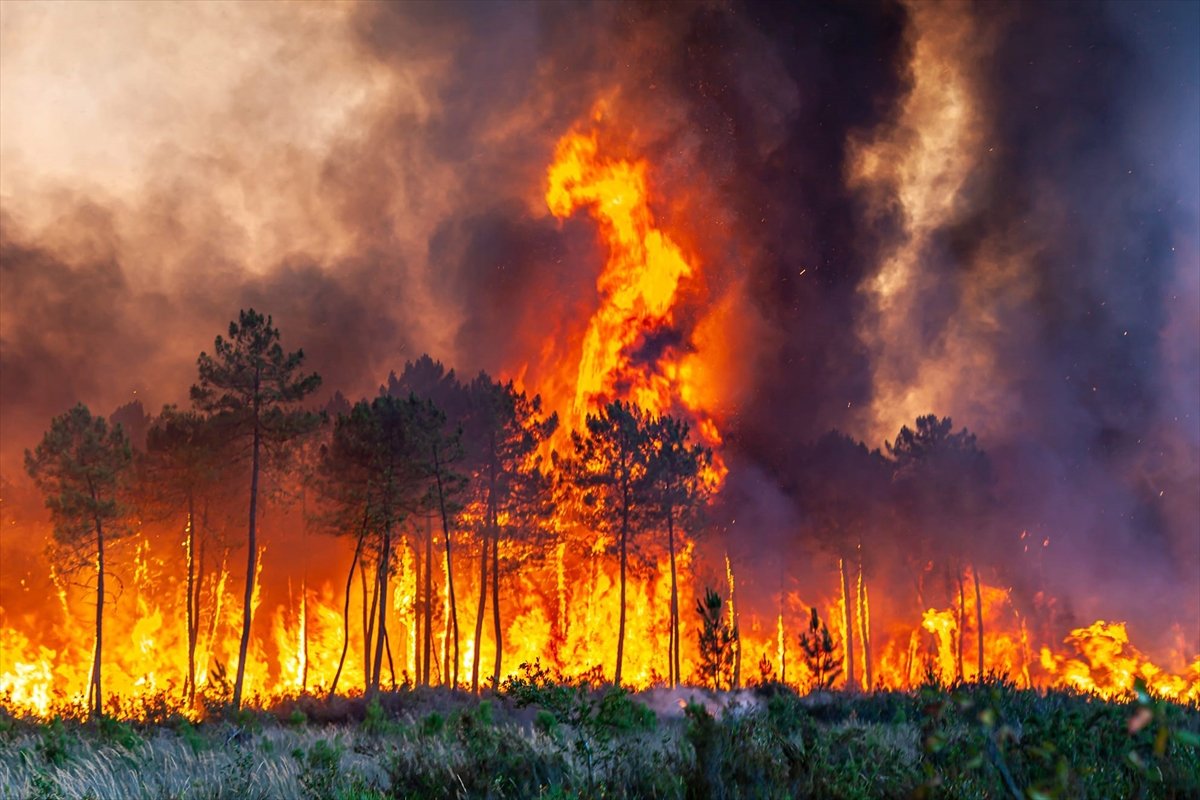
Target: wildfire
638,289
561,606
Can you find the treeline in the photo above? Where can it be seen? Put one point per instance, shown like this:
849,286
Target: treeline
474,456
470,454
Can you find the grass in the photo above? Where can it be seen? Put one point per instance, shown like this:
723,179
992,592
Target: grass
542,737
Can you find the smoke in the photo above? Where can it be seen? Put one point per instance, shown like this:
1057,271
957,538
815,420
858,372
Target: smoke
978,211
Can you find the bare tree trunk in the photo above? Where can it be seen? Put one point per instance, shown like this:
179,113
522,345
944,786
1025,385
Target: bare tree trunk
736,680
673,654
978,618
864,625
851,681
368,622
489,521
194,631
479,615
189,686
94,689
358,546
428,595
437,468
417,608
380,599
251,558
624,561
497,631
387,644
304,597
962,625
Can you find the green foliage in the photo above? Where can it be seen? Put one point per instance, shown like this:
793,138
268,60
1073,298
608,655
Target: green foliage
80,466
717,640
119,732
319,768
593,740
595,722
821,654
54,746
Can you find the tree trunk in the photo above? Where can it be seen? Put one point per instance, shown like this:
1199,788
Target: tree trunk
736,679
673,654
624,559
195,630
387,645
483,557
437,468
416,607
94,689
304,598
381,572
851,681
497,631
368,622
251,558
489,521
962,625
358,546
189,686
864,626
978,618
428,596
372,633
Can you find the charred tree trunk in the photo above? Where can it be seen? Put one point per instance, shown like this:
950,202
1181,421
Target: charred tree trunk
380,599
978,618
497,631
251,555
962,625
482,609
864,625
387,644
94,688
195,629
625,499
673,654
354,562
189,686
304,597
851,681
428,598
368,622
451,675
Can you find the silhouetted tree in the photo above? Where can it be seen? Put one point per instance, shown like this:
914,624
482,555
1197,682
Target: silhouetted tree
183,463
944,481
428,379
676,490
845,487
80,466
252,386
820,653
607,472
503,431
717,640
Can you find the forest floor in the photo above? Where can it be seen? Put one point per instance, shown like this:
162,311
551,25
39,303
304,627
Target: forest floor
542,738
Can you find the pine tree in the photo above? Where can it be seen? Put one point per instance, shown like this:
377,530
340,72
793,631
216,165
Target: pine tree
821,653
717,640
80,466
676,490
252,387
608,476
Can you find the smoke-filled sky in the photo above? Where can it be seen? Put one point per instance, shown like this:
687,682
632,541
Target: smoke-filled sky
985,211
